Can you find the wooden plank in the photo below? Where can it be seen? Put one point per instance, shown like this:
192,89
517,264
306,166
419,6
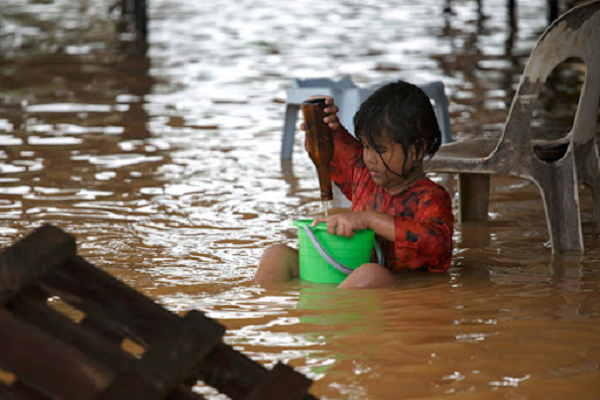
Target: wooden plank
282,383
87,341
79,337
184,393
230,372
21,391
169,361
30,258
133,385
33,355
97,293
142,387
137,386
233,373
98,322
7,393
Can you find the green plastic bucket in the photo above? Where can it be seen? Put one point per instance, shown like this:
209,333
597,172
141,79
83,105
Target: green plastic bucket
351,253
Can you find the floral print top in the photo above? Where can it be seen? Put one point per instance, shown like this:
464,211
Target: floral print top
422,212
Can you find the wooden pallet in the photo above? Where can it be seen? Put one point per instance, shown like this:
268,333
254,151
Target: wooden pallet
108,341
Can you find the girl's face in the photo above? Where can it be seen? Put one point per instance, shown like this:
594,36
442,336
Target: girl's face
398,174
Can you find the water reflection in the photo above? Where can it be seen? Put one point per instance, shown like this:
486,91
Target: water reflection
163,159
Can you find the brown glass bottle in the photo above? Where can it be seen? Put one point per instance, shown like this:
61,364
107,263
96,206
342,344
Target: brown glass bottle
319,143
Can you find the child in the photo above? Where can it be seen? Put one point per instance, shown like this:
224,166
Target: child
382,174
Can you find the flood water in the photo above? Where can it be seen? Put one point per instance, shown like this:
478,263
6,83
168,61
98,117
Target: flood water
164,163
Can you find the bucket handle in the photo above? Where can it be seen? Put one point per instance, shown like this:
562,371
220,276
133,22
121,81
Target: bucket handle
340,267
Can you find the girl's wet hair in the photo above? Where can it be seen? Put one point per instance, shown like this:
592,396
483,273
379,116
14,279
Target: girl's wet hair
403,112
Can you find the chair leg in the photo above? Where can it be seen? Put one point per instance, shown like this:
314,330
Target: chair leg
474,196
289,130
442,114
588,169
596,199
561,202
436,91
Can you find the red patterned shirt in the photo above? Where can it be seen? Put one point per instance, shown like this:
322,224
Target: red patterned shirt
422,212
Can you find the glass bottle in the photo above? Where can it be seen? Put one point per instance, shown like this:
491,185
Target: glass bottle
319,142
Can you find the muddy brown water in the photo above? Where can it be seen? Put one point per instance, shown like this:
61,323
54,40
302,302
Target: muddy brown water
165,165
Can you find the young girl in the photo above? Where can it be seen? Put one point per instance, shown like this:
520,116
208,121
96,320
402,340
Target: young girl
382,174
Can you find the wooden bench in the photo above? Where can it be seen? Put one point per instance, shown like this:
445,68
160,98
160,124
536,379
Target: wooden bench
70,331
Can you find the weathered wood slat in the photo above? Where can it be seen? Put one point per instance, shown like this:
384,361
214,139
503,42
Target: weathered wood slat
184,393
79,337
29,352
134,385
282,383
233,373
230,372
21,391
21,388
169,361
97,293
7,394
33,256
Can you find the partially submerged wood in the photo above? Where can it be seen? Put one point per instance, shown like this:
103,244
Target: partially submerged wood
119,345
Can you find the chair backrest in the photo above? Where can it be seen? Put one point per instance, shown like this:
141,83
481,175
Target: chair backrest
349,97
575,34
344,83
350,100
435,91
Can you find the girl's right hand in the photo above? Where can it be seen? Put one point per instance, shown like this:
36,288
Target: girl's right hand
344,224
331,110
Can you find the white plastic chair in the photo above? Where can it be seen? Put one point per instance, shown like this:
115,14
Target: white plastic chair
555,167
348,97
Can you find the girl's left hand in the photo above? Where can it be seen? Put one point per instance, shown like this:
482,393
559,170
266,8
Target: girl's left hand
345,224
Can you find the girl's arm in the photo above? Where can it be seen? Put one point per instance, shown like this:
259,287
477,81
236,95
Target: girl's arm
344,224
425,239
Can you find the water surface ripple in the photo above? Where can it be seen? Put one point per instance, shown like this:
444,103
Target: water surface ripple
164,163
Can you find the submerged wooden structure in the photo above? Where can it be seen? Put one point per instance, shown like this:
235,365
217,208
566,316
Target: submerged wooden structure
108,341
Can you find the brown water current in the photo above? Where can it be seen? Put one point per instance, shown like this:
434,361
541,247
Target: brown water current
163,161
